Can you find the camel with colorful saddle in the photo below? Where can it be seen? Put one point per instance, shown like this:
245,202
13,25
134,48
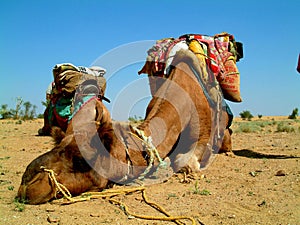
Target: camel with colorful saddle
187,121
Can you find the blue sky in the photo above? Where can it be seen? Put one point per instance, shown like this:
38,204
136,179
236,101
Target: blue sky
36,35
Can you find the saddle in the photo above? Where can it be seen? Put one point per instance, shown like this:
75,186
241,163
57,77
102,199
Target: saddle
68,77
73,87
217,57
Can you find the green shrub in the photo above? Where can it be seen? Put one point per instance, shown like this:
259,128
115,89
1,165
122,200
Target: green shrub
246,115
294,114
135,119
19,205
283,127
264,123
5,112
248,128
40,116
23,110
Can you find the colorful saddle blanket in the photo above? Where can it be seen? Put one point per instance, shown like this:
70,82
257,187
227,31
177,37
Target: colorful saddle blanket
219,52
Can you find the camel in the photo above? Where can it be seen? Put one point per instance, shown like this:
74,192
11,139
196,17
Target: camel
96,151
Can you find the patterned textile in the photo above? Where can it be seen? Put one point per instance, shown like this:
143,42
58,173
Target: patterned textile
216,51
78,104
219,52
158,54
70,82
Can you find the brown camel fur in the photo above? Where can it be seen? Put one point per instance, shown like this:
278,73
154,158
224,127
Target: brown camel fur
95,151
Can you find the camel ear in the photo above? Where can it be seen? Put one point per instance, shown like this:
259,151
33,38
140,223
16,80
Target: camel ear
57,134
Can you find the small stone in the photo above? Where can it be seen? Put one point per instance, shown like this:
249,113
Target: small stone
50,210
253,174
262,203
53,219
280,173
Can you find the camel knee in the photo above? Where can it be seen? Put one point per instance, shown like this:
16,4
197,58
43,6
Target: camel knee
194,160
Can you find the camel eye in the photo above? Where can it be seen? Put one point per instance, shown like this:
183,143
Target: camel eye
35,178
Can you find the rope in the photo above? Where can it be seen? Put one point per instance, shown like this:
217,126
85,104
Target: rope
61,188
167,217
232,73
152,151
111,193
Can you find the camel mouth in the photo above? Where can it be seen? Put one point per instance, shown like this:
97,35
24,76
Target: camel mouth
37,191
26,196
21,196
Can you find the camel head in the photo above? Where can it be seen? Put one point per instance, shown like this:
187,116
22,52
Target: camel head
73,158
36,186
71,162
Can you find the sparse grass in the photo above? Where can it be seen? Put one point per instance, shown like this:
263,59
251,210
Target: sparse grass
10,187
248,127
4,182
5,158
250,193
19,205
136,119
285,127
171,195
200,192
204,192
19,122
208,181
85,195
117,211
264,123
196,188
267,126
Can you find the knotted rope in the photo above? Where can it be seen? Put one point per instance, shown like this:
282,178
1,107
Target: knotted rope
111,193
58,186
147,141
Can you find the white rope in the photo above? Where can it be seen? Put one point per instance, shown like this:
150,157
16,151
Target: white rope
147,141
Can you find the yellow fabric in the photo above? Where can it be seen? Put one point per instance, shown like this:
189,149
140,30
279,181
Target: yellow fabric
197,49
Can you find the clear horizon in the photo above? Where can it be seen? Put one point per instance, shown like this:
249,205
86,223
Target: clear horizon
37,35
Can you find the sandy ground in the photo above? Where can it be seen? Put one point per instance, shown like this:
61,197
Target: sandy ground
258,184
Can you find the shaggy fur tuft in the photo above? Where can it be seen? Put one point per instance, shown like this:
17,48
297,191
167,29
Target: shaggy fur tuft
57,134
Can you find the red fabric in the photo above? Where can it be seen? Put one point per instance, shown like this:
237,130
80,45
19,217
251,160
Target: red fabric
62,122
